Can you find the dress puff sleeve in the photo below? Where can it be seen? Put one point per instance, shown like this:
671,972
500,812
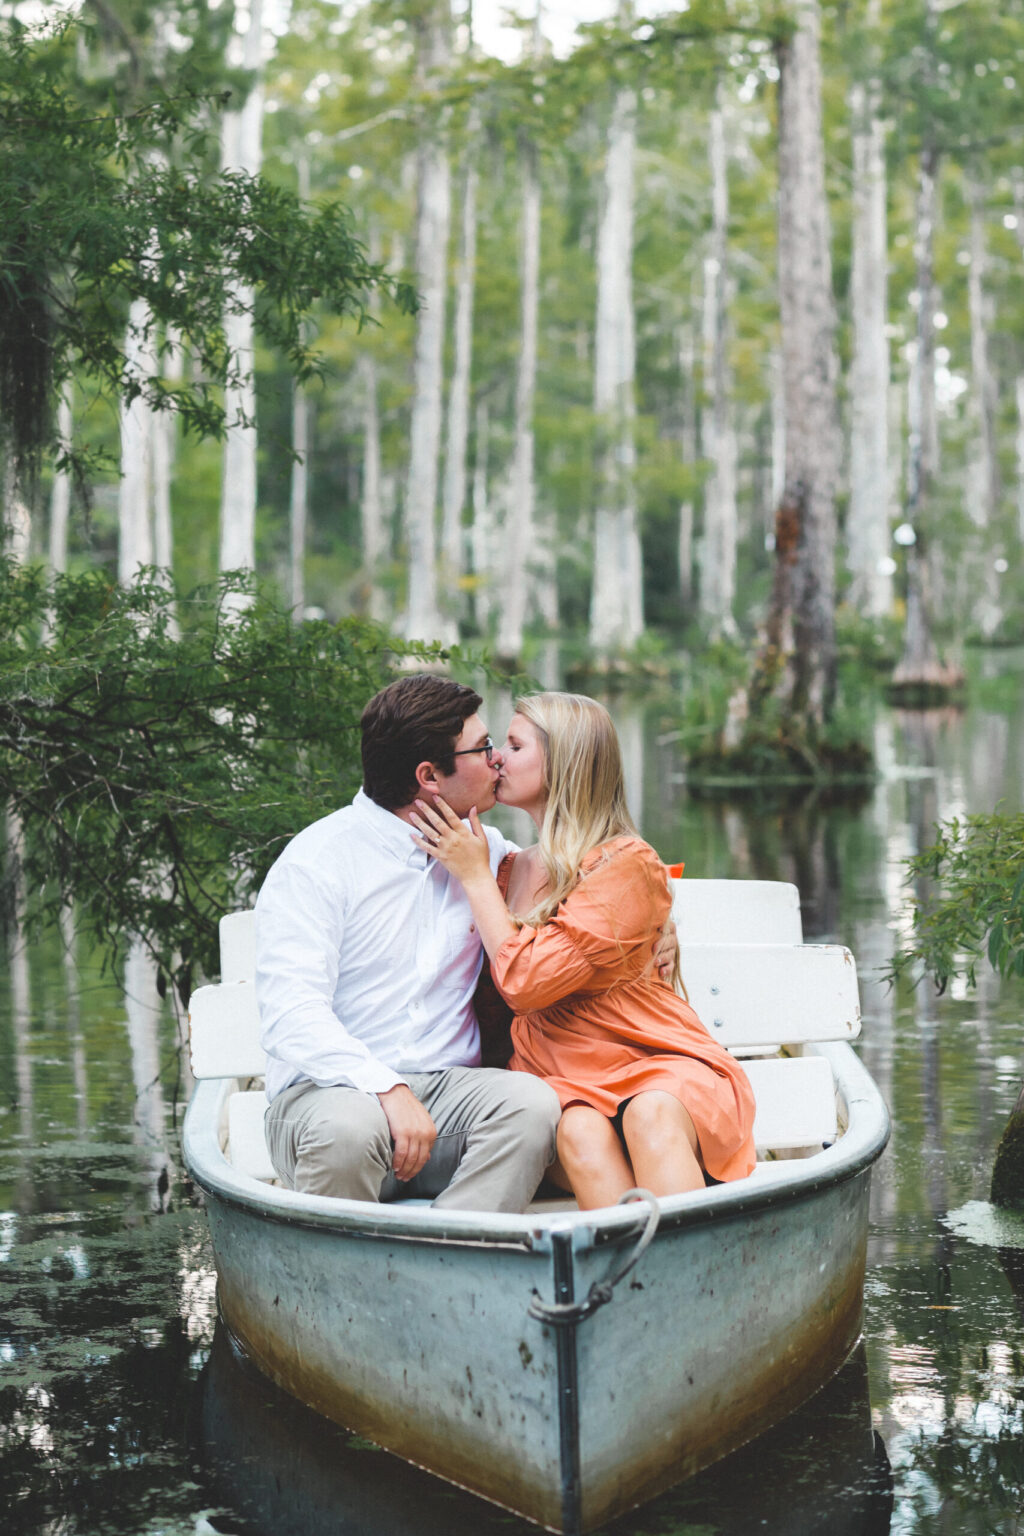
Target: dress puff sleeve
606,925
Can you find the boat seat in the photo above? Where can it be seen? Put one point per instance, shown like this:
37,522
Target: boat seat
795,1098
736,911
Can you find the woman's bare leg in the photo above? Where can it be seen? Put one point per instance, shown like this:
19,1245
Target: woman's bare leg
662,1143
591,1155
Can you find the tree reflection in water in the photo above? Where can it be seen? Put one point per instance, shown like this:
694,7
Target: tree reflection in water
107,1291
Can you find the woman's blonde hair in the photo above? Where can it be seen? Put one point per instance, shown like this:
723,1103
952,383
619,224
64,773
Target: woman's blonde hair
586,802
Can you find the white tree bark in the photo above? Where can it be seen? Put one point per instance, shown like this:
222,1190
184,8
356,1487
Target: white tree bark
298,498
433,215
798,659
298,502
60,496
372,506
688,450
868,517
919,665
519,522
482,538
242,149
983,465
135,546
718,565
453,541
616,609
1020,457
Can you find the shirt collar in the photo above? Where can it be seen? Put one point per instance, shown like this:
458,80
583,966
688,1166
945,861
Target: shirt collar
394,833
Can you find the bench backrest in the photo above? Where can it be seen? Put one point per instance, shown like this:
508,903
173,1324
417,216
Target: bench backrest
736,912
749,993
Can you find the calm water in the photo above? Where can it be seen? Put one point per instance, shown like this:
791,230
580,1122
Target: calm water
122,1409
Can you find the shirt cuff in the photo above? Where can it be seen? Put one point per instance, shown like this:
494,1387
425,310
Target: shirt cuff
374,1077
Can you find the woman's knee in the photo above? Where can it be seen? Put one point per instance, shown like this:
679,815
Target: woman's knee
658,1116
585,1135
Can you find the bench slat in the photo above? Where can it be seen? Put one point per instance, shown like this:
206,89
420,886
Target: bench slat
772,994
736,911
796,1102
224,1031
237,932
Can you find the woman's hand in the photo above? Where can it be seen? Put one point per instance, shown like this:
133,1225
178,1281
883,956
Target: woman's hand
462,850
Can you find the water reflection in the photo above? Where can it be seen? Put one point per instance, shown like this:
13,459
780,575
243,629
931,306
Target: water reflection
107,1290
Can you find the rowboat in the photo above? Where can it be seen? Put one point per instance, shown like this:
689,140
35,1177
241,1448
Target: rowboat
568,1365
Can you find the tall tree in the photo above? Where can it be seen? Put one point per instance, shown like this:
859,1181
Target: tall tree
718,433
242,150
983,487
798,658
433,216
616,605
868,517
519,517
457,443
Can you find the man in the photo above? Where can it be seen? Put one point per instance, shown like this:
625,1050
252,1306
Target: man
367,958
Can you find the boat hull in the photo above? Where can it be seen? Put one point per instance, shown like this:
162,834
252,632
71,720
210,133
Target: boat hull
416,1330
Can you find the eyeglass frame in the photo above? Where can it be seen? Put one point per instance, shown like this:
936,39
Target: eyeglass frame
487,747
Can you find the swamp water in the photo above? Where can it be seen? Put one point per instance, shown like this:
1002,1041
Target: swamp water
123,1409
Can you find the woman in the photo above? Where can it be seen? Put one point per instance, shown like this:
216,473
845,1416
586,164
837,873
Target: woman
648,1097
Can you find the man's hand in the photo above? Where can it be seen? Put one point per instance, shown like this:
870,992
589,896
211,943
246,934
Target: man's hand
413,1133
666,947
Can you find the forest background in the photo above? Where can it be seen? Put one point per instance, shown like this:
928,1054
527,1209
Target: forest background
716,368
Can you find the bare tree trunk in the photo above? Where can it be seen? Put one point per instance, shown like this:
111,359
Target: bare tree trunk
372,520
298,502
242,149
1020,457
519,522
298,497
455,477
919,667
433,216
17,521
616,607
868,518
135,544
60,496
983,468
799,655
688,451
482,531
718,566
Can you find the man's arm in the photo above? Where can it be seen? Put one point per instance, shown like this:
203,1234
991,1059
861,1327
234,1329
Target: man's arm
300,930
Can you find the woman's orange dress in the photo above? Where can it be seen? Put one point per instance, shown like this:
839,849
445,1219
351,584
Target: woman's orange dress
593,1018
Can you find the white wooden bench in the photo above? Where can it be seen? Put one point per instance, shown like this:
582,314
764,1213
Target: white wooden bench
747,974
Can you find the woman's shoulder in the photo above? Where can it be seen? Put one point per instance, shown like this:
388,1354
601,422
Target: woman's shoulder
628,846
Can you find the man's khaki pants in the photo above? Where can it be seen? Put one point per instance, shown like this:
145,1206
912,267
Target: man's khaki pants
495,1138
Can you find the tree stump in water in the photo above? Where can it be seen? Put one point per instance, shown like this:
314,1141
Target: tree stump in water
1008,1169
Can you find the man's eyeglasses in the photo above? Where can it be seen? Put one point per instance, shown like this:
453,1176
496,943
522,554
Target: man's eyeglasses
487,746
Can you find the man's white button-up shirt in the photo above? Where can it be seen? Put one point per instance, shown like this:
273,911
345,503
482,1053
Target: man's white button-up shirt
367,956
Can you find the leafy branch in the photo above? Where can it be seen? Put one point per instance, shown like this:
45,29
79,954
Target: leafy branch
976,911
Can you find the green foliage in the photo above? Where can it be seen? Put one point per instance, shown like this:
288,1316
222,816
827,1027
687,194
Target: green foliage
724,745
975,908
156,778
102,204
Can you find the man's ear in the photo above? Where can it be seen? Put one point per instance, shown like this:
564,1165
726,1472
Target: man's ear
426,778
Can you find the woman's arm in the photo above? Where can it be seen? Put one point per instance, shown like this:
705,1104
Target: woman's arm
464,853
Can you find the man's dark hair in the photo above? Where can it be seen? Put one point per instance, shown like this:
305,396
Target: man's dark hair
412,721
